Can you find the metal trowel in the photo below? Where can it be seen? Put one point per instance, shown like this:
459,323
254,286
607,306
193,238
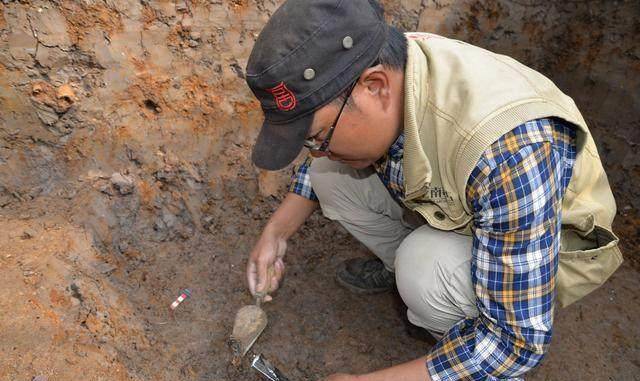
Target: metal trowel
265,368
250,321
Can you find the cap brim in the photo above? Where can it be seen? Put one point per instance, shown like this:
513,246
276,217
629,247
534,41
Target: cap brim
279,144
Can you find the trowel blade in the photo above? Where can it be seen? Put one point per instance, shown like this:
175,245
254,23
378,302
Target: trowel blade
249,324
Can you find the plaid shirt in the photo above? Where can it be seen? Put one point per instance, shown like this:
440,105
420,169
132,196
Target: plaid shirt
515,192
388,168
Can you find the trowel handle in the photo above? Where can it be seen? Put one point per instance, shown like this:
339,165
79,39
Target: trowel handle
260,295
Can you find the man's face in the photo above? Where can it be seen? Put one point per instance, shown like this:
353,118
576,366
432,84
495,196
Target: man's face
368,125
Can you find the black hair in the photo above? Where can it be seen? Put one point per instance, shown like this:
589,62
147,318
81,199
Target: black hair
393,55
394,51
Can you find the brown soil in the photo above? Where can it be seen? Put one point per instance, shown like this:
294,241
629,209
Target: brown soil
125,135
70,308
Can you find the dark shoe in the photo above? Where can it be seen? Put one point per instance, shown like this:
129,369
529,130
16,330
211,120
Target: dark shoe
420,334
365,276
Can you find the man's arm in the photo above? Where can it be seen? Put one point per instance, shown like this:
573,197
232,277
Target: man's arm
272,245
409,371
297,206
516,194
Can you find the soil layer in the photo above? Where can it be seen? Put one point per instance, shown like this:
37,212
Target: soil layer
125,134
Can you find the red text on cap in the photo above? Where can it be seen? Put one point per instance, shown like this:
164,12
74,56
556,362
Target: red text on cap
285,99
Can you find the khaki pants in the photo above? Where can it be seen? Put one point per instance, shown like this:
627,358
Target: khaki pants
432,267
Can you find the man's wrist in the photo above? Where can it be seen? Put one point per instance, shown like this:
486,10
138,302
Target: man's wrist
274,231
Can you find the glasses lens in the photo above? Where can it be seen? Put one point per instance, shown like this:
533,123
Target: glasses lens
323,147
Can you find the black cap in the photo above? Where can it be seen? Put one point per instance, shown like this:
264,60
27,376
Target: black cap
309,52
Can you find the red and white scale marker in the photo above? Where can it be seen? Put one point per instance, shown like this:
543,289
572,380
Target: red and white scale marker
185,294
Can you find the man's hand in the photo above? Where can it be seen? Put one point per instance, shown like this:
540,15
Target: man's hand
270,248
267,253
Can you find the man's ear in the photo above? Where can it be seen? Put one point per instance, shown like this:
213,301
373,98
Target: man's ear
377,84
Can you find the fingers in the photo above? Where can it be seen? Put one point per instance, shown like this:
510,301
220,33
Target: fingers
272,278
265,268
263,282
252,276
278,273
257,277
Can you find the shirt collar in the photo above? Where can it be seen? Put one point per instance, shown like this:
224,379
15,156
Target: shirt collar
397,148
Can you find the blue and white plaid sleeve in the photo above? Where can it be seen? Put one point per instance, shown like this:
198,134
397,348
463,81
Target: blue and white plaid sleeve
301,181
516,194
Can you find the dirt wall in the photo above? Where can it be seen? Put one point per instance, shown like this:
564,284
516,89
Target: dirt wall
125,136
140,87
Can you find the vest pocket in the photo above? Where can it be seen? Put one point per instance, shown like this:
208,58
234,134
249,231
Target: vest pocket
585,262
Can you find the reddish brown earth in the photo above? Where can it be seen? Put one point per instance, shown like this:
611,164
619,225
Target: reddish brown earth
125,134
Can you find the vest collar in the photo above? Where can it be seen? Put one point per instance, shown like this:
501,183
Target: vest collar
416,165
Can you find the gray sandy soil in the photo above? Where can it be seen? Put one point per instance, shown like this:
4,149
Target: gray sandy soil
125,135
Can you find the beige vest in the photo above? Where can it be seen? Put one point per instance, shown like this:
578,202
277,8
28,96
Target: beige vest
459,99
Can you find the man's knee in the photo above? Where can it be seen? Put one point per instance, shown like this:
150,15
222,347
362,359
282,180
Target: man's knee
323,173
345,192
416,267
330,178
433,278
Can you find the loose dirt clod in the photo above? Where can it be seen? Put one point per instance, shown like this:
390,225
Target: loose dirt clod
123,183
28,233
89,88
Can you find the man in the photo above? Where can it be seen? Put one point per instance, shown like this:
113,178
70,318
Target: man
455,166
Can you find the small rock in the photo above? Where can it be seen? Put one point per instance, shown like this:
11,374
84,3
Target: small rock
186,23
66,97
65,92
105,188
39,378
28,233
105,268
123,246
39,90
93,175
123,183
168,218
181,6
208,221
193,44
27,273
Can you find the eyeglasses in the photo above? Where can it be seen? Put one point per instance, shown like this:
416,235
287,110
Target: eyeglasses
323,147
